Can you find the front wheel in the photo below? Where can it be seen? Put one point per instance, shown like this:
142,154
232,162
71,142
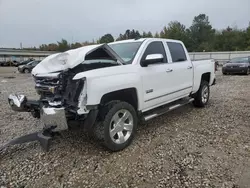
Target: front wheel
116,126
248,71
26,71
202,96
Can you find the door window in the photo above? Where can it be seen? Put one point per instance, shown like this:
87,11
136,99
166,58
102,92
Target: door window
155,47
177,51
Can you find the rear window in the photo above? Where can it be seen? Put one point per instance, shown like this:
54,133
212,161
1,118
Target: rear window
177,52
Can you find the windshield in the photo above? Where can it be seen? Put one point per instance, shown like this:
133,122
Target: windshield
30,63
239,60
127,50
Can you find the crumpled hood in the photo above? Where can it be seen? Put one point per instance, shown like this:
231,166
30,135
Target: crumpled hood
69,59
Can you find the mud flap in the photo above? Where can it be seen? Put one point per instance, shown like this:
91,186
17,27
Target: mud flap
43,138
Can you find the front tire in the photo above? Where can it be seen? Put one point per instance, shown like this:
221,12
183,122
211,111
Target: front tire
248,71
116,126
202,96
26,71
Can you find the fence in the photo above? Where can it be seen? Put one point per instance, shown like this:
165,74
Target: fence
221,57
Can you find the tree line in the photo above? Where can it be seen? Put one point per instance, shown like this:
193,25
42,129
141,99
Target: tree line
200,36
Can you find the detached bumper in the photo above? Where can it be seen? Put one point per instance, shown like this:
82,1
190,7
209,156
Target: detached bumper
53,118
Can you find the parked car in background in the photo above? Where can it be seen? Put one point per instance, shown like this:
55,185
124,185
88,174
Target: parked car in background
27,68
15,63
238,65
25,62
2,63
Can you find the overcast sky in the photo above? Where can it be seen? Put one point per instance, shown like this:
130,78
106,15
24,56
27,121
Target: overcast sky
34,22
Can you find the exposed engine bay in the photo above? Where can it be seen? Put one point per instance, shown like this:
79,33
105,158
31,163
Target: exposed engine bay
62,98
60,89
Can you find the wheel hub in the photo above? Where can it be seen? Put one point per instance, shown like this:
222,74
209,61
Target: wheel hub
121,126
205,94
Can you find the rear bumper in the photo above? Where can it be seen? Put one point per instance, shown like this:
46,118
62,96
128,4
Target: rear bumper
234,70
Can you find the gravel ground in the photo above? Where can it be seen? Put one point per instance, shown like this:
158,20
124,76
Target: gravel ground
188,147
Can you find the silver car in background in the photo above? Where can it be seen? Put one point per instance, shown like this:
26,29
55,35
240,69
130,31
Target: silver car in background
239,65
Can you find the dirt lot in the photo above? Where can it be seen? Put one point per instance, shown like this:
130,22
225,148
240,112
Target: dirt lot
188,147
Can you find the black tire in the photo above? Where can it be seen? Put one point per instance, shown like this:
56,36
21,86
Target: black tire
248,71
198,102
101,129
224,73
26,71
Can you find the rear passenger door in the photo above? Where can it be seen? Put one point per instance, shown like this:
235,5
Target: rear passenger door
182,74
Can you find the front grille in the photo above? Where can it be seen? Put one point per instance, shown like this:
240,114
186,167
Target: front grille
48,86
62,88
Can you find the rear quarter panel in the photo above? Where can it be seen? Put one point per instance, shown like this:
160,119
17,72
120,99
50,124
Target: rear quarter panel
201,67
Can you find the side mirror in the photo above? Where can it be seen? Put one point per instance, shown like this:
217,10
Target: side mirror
152,59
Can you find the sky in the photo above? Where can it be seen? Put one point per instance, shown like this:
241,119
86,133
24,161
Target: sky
36,22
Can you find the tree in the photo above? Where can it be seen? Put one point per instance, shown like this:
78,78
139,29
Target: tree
43,47
156,35
147,35
248,38
133,34
230,39
52,47
199,36
202,33
75,45
106,38
63,45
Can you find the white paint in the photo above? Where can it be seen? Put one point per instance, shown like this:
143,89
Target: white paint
171,86
62,61
184,78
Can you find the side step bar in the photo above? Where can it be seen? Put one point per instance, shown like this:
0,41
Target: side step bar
167,108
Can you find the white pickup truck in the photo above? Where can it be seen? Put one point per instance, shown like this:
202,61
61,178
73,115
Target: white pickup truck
108,88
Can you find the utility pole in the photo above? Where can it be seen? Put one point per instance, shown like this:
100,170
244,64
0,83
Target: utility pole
21,45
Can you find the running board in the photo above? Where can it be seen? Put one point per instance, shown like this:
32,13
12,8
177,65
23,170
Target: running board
167,108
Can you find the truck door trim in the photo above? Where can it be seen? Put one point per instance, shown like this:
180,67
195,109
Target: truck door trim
168,94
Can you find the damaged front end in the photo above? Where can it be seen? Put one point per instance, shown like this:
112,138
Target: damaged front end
62,99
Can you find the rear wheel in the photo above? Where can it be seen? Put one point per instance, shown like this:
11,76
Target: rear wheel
202,96
116,126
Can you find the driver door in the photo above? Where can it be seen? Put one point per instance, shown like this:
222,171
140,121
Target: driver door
156,78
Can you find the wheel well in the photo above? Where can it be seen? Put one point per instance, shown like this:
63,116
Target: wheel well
128,95
206,77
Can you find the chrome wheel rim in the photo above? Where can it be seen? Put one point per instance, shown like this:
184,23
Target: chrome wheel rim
121,126
204,94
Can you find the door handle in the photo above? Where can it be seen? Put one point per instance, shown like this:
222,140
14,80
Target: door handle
169,70
189,67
